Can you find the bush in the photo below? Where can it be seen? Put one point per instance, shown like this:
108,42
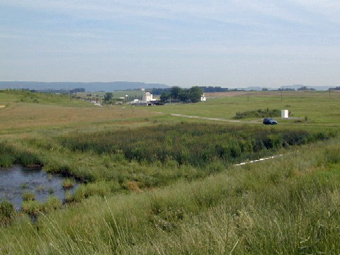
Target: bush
258,114
7,212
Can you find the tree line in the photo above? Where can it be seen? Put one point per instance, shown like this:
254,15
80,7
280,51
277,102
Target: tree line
159,91
177,94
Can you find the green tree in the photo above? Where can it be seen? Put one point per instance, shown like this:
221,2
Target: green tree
175,92
184,96
164,97
108,97
195,94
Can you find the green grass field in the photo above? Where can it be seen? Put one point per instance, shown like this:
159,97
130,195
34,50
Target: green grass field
154,183
320,108
116,94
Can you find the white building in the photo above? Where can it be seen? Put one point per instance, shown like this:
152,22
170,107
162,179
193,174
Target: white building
203,98
147,97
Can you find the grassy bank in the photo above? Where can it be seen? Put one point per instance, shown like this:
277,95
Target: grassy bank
151,156
284,206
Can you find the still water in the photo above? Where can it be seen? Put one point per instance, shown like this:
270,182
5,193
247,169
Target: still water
17,180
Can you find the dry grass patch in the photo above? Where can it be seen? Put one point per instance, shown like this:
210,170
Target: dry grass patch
35,115
134,186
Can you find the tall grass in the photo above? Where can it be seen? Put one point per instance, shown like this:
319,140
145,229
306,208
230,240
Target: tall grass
285,206
10,155
258,114
192,144
150,156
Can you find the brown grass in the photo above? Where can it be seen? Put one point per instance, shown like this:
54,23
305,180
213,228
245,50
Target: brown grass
18,116
133,186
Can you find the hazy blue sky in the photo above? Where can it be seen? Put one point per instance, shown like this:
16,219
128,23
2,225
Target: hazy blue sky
230,43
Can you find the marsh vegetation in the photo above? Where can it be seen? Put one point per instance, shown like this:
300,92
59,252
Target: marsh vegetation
153,184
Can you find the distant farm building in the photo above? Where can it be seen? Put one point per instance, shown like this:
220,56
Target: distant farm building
147,99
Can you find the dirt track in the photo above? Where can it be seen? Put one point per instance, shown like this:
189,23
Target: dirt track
214,119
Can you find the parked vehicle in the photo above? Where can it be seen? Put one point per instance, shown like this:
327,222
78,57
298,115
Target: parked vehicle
269,121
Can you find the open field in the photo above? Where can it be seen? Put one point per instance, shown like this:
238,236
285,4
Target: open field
116,94
153,183
321,109
19,117
31,116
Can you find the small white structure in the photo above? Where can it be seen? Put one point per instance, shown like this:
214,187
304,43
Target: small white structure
147,97
284,114
203,98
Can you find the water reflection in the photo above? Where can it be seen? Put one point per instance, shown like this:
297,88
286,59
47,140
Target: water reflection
17,180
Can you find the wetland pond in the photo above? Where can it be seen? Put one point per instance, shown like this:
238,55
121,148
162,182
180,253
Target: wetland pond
17,180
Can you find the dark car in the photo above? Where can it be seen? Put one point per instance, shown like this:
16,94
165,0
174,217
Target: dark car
268,121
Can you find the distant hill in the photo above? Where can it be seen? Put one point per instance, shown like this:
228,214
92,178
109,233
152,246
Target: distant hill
294,87
297,86
88,86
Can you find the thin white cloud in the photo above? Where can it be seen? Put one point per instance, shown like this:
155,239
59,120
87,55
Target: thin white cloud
328,9
224,11
175,35
234,11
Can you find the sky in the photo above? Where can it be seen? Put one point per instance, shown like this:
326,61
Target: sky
229,43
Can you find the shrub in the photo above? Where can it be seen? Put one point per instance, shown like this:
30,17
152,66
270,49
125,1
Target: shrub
258,114
7,212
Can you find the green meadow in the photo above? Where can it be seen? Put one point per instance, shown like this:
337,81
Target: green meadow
318,108
154,183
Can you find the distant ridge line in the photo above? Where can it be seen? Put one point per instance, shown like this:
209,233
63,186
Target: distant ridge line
88,86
